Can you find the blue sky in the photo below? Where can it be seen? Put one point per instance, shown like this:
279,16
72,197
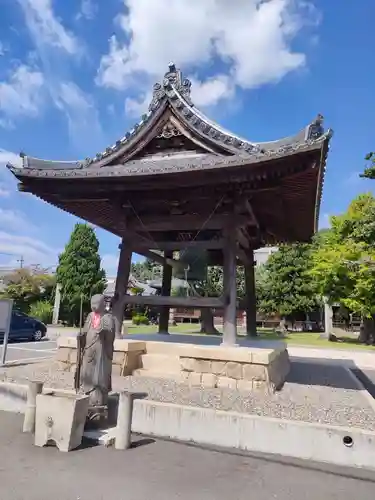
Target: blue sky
76,74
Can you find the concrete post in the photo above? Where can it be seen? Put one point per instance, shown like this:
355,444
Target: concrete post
165,291
122,279
56,305
230,288
34,388
328,319
124,421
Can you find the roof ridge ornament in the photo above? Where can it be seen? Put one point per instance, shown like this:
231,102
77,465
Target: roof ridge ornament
173,80
316,129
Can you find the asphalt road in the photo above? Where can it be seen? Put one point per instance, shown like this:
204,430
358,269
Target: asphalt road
156,470
30,351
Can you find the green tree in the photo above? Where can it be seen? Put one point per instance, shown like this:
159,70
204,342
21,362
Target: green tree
286,287
27,286
79,272
344,263
369,171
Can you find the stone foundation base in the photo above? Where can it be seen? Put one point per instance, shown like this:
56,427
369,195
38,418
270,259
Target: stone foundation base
241,368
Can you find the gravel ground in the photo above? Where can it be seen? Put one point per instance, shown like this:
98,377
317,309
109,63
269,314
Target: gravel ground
313,393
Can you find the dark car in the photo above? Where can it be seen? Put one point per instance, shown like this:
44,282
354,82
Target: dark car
23,327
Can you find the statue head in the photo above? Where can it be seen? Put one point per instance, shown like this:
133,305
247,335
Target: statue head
98,304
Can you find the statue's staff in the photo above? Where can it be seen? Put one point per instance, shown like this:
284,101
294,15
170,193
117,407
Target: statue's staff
80,347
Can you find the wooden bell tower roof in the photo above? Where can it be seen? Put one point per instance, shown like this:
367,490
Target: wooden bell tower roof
176,177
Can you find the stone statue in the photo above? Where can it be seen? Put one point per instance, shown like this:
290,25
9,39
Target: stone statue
96,341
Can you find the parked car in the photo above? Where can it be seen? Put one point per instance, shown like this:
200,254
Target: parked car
23,327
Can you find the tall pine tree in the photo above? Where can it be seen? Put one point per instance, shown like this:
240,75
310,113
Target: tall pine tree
79,272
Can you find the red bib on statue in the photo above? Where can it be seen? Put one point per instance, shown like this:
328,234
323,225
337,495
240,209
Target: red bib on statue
95,320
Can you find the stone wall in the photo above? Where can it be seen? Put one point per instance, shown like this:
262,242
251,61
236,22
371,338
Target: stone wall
242,368
126,355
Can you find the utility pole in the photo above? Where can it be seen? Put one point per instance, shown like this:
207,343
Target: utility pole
21,261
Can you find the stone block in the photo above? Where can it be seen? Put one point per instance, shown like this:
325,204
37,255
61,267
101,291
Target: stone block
63,354
245,385
195,379
187,364
262,356
73,356
118,358
227,383
218,367
160,363
233,370
129,345
209,380
202,366
64,367
65,341
185,376
60,417
116,370
278,370
254,372
132,361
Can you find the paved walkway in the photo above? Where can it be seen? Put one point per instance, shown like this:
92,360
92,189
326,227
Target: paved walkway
157,470
361,359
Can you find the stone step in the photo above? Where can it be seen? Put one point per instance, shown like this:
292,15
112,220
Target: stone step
160,363
175,376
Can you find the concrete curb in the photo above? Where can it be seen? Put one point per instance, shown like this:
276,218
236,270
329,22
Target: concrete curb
303,440
362,389
351,447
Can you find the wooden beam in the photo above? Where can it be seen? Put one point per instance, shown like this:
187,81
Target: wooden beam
249,208
242,238
182,245
158,258
166,288
184,222
122,278
158,300
230,289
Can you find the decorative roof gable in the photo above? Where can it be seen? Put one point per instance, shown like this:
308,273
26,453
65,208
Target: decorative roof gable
171,112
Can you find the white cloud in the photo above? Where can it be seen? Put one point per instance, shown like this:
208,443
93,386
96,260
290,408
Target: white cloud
9,157
46,28
213,90
4,192
21,95
251,38
32,250
15,220
55,46
2,49
81,114
136,107
7,185
88,10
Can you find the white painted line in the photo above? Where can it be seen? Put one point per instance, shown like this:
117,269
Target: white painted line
41,344
28,349
24,360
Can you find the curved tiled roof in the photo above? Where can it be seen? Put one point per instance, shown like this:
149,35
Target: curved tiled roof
174,91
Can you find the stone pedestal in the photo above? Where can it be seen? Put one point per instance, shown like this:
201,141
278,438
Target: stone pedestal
60,417
242,368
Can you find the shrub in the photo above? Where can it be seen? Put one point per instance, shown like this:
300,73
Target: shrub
41,310
139,319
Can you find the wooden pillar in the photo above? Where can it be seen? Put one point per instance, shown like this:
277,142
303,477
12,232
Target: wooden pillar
165,291
122,278
230,288
250,295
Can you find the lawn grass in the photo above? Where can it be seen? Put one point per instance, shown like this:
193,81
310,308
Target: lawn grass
303,339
